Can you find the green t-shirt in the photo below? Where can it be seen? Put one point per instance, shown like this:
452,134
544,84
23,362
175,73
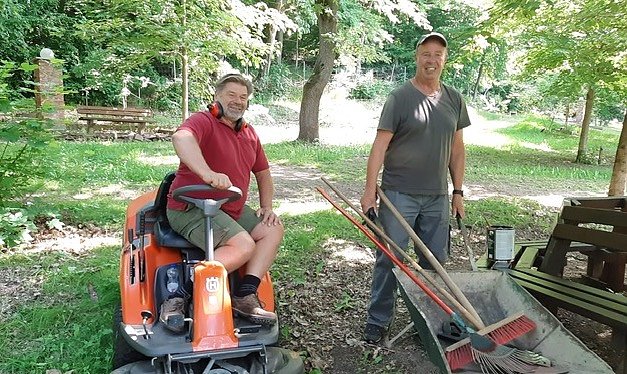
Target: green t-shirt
417,158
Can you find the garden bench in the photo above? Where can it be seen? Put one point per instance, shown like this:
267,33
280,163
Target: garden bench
599,223
97,116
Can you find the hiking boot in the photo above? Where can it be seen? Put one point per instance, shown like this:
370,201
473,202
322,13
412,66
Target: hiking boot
374,334
172,314
250,308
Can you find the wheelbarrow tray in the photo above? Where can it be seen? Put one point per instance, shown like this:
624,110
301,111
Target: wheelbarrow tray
496,296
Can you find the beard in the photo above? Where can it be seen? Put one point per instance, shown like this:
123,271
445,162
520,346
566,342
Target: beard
233,113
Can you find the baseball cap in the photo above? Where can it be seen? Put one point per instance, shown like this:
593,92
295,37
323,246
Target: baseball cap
430,35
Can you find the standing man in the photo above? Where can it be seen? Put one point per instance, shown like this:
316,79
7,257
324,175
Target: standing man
216,147
418,139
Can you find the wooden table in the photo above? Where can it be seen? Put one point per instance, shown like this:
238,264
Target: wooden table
599,222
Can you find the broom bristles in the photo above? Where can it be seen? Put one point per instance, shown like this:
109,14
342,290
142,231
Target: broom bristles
460,354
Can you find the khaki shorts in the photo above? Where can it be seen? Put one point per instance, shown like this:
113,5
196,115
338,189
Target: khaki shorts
190,224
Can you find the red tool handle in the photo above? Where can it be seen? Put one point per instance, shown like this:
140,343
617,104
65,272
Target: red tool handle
387,252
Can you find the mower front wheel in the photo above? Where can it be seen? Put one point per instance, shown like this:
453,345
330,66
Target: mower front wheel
123,353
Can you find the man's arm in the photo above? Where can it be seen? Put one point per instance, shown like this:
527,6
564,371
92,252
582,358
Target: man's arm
188,150
375,161
457,166
265,185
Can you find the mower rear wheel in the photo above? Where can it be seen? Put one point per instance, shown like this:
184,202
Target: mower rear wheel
123,353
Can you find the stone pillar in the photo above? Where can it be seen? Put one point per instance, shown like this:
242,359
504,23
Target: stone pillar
49,89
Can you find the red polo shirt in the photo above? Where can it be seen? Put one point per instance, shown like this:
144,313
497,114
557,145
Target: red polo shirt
226,151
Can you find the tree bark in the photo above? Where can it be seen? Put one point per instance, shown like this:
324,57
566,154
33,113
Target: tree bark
184,70
619,173
585,126
479,74
185,84
312,91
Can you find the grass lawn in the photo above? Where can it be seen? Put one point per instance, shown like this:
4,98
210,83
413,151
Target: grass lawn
64,320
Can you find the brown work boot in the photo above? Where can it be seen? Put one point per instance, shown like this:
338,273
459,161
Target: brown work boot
172,314
250,308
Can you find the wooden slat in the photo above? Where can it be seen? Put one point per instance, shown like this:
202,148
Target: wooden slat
617,298
84,109
582,214
589,305
611,240
528,257
115,113
611,202
116,119
577,306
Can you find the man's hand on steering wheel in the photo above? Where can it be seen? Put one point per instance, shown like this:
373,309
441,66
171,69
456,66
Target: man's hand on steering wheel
218,180
269,217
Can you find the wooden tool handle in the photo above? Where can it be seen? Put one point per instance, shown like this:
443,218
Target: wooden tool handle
469,317
430,257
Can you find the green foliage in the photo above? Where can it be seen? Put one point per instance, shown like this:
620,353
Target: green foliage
278,84
371,90
15,227
570,52
24,139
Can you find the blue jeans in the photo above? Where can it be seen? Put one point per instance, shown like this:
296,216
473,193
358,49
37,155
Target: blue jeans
429,216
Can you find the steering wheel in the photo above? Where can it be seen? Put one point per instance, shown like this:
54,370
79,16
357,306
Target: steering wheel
233,193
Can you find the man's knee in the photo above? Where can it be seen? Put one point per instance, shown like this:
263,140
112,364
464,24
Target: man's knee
243,243
274,232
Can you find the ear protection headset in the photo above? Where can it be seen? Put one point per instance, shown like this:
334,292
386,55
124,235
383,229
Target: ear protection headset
216,108
217,111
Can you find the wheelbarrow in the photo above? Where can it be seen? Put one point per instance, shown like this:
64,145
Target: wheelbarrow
496,296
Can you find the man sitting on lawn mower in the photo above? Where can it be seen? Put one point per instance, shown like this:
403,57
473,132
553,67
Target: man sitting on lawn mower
217,147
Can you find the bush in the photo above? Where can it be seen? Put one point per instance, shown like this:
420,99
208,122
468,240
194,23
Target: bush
277,84
23,139
15,227
370,90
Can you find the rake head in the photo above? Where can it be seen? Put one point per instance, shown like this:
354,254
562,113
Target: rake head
463,352
509,360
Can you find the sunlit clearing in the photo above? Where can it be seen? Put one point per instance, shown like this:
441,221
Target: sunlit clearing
158,160
347,252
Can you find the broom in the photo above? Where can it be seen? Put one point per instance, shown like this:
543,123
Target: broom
484,343
472,348
469,317
503,359
466,350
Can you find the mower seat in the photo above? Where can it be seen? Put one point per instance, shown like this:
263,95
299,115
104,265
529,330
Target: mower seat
167,237
164,234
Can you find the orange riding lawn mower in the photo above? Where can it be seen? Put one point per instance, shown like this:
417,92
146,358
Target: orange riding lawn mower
156,265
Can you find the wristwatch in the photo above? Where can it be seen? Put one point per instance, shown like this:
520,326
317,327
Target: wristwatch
458,192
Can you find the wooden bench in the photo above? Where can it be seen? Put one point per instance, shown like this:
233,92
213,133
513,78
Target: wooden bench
554,292
601,224
97,116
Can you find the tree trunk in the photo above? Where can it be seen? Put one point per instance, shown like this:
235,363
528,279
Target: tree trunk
271,41
619,173
479,74
312,91
585,126
185,84
279,42
184,71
